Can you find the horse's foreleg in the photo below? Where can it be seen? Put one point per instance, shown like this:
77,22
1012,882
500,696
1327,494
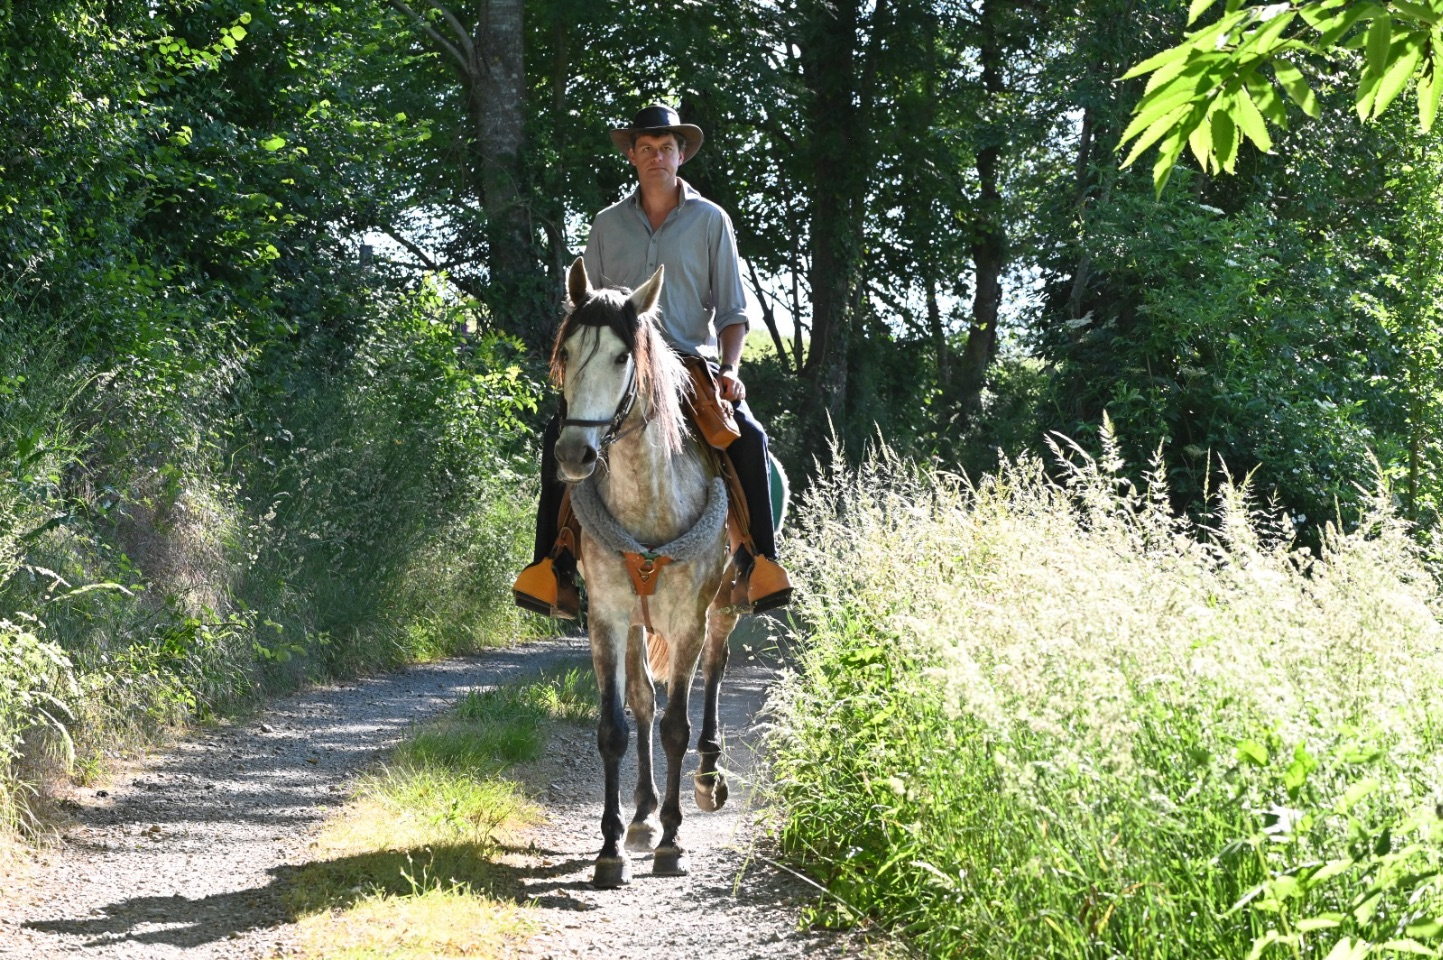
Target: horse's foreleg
645,828
710,784
613,868
670,859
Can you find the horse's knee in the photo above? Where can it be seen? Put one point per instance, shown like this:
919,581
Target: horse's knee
675,733
612,733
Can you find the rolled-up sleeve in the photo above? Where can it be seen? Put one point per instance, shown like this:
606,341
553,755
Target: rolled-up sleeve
730,306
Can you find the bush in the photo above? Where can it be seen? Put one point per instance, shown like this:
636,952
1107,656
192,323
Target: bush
185,524
1043,717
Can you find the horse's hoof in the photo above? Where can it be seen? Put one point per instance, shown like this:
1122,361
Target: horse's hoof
670,862
611,872
642,835
711,792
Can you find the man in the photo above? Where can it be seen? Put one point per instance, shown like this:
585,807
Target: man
703,315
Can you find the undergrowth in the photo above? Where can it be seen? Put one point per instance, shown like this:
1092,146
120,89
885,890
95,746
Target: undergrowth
1042,717
188,522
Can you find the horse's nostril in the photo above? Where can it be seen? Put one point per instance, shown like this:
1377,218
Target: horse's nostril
588,455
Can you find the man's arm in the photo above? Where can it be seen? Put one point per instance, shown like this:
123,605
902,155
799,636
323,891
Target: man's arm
729,345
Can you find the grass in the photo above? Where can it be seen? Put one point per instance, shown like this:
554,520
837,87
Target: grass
1045,717
412,866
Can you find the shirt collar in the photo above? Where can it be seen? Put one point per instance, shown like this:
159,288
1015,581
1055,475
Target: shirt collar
687,193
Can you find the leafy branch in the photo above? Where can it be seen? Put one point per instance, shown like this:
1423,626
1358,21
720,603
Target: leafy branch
1226,83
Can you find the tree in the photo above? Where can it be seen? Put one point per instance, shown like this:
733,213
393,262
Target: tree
485,48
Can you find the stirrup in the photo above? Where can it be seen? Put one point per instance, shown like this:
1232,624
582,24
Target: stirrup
764,587
768,586
541,589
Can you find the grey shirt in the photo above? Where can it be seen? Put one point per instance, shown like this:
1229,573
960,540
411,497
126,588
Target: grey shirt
702,292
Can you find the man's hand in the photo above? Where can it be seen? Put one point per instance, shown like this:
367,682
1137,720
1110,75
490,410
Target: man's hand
731,386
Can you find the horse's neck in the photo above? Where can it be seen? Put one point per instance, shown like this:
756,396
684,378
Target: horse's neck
654,494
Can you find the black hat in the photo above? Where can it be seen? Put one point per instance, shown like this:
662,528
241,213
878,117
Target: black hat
655,120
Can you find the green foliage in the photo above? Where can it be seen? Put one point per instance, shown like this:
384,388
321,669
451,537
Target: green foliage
1215,345
1048,717
1210,92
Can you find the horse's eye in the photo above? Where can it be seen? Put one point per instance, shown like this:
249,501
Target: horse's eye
564,355
622,357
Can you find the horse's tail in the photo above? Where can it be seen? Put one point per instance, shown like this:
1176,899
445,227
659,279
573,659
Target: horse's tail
658,656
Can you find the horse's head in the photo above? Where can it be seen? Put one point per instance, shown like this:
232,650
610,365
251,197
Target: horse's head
602,361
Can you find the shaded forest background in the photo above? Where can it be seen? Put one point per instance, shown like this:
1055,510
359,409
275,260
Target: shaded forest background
276,279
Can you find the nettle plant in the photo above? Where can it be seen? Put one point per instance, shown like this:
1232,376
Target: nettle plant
1356,877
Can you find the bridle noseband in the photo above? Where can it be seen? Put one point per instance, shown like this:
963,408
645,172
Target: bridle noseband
623,410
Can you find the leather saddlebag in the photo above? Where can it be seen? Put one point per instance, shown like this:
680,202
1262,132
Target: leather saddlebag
712,415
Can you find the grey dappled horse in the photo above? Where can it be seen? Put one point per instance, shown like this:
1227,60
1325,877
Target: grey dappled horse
638,478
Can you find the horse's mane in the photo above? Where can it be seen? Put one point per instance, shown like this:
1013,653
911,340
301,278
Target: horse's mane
661,377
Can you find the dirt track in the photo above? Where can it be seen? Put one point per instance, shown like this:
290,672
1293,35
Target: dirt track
185,854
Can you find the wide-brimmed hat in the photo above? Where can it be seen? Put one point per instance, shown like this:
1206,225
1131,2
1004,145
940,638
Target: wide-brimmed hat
655,120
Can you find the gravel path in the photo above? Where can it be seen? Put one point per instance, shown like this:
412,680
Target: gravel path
187,853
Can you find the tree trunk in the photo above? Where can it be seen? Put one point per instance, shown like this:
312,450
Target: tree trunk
491,63
989,244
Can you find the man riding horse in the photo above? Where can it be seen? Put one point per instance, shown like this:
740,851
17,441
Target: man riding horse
665,222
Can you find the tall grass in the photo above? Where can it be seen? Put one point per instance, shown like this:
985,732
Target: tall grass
1046,717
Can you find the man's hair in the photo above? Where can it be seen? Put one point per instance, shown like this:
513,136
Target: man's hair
680,140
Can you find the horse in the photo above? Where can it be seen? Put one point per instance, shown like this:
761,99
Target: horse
653,556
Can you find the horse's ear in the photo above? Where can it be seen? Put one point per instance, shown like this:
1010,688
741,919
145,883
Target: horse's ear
578,285
645,297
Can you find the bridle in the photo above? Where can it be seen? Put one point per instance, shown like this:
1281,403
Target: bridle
623,410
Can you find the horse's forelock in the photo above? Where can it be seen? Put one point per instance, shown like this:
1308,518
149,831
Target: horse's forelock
608,307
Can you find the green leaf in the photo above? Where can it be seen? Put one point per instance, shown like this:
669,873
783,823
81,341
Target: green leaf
1380,41
1428,929
1344,22
1167,56
1429,90
1364,911
1250,120
1310,924
274,143
1330,870
1265,95
1321,16
1262,42
1197,8
1249,751
1296,87
1418,11
1349,949
1412,947
1155,133
1355,793
1201,142
1406,54
238,32
1367,90
1167,155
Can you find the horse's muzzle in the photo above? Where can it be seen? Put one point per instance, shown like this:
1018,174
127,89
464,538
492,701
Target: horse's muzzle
575,457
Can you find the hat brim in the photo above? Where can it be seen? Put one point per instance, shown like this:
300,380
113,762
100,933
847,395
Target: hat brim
690,132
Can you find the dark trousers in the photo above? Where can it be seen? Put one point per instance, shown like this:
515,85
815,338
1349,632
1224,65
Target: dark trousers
749,459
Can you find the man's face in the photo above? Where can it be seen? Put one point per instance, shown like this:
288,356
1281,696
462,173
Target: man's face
655,157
